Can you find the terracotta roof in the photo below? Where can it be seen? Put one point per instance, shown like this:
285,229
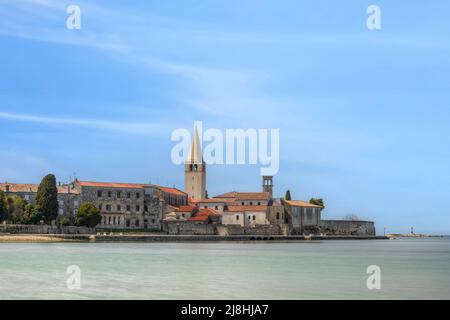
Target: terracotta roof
33,188
129,186
246,208
185,208
171,190
299,203
203,215
214,200
111,184
252,196
231,194
193,200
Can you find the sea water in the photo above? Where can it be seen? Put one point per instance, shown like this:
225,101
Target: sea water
409,269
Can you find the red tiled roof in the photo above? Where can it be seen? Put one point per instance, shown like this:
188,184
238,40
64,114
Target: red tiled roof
299,203
203,214
32,188
252,196
239,196
246,208
231,194
171,190
185,208
214,200
129,186
110,184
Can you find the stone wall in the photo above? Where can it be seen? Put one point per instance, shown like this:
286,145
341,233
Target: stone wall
347,227
256,230
189,228
43,229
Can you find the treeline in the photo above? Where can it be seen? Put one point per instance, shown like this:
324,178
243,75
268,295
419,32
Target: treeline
16,210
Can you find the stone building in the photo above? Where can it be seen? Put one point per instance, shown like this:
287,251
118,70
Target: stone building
130,205
303,216
68,197
245,216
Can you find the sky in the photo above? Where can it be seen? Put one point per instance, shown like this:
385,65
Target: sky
363,114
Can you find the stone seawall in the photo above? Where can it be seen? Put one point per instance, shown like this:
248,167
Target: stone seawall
172,238
43,229
347,227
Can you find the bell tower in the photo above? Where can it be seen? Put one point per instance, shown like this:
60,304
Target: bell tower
268,185
195,170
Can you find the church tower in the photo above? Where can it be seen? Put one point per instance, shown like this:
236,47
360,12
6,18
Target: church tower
268,185
195,170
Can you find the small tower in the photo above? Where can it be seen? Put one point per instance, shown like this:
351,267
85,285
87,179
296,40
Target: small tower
268,185
195,170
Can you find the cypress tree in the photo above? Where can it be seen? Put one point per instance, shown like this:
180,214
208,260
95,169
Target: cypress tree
288,195
3,212
47,198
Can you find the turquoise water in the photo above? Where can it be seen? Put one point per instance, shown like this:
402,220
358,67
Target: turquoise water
410,269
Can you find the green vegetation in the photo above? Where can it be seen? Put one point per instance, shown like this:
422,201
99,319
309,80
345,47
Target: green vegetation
288,195
47,198
32,215
3,213
317,202
88,216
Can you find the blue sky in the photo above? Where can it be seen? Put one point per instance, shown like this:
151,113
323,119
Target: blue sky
363,115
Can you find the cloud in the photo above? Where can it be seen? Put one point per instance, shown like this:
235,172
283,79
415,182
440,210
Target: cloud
138,128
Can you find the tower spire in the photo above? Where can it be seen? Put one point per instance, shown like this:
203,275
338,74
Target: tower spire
195,155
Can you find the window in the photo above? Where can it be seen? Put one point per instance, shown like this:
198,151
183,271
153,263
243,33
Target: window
153,220
118,194
259,203
119,208
75,203
100,206
128,223
99,193
137,195
114,220
137,222
138,208
251,203
128,208
109,220
216,207
242,202
278,215
108,207
183,215
206,207
109,194
128,195
27,197
146,208
254,218
237,217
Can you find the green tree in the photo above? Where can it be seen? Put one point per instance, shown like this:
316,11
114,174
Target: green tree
288,195
18,209
47,198
33,214
88,216
9,201
3,212
317,202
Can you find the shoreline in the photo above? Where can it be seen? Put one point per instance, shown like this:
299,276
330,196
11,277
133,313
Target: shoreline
35,238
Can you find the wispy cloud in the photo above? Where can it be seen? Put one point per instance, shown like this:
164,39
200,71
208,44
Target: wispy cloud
112,126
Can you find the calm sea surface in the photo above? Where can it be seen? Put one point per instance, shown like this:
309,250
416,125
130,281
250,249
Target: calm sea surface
410,269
